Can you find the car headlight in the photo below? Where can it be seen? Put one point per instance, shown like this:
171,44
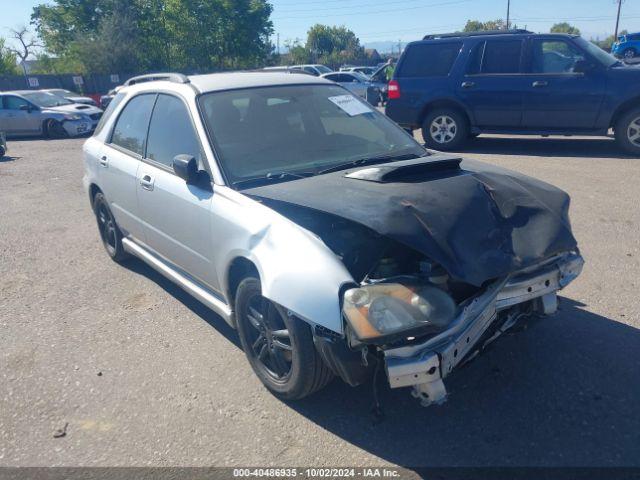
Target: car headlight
377,312
73,117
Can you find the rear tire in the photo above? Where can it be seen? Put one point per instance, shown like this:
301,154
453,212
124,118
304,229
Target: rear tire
279,347
109,232
445,129
627,131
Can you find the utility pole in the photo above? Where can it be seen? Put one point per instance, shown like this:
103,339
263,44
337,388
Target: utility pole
615,35
508,12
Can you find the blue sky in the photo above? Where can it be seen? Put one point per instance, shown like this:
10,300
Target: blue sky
405,20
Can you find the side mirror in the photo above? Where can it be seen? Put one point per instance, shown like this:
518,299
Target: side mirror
186,167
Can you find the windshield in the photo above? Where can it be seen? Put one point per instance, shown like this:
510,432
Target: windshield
603,57
46,100
61,92
322,69
298,130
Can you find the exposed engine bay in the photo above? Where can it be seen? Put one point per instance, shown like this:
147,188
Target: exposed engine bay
440,270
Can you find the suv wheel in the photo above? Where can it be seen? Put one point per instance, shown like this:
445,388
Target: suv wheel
627,130
444,129
279,347
629,53
109,232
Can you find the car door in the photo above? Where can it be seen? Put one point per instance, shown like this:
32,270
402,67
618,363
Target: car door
493,85
177,215
119,162
19,116
565,88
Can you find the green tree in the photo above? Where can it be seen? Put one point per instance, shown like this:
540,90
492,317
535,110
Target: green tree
565,27
333,45
8,64
189,35
478,26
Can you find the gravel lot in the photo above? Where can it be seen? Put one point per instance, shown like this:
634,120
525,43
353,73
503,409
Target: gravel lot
145,375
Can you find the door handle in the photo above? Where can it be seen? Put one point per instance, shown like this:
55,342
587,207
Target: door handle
146,182
468,84
103,161
540,83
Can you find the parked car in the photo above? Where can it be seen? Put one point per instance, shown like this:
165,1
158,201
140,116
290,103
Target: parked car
356,83
33,112
315,69
460,85
367,71
106,99
71,96
3,144
332,240
627,46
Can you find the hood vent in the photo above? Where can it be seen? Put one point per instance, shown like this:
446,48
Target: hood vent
408,170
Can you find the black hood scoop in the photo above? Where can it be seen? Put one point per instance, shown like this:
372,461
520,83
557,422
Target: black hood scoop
478,221
408,170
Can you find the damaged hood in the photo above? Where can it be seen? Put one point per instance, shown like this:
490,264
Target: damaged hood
478,221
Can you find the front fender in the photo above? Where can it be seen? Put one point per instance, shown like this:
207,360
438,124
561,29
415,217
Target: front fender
297,270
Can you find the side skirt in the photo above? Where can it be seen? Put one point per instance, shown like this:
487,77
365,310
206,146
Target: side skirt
189,286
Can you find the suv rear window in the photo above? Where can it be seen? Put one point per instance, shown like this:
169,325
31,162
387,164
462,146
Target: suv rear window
496,57
429,60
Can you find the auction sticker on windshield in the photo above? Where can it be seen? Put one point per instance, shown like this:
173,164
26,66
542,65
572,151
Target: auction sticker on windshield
350,104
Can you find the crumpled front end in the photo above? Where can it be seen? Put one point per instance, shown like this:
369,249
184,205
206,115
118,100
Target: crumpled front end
480,320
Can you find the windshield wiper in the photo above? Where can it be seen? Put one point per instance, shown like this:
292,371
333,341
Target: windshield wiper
271,177
370,161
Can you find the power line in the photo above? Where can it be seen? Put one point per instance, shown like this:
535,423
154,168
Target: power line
361,13
362,5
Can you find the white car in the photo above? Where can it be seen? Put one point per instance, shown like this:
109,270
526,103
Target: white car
71,96
356,83
333,241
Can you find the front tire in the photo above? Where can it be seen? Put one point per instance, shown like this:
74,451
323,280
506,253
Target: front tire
53,129
109,232
629,53
279,346
445,129
627,131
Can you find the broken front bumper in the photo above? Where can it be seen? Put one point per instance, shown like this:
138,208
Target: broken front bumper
423,366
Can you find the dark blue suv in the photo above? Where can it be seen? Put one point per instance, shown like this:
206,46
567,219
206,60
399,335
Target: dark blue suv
456,86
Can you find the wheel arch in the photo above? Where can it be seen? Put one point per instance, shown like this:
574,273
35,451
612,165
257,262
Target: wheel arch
445,103
93,191
239,269
624,109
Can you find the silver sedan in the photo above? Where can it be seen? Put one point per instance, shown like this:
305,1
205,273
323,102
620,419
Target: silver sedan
28,113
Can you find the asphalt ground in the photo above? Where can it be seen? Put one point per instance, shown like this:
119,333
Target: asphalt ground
143,375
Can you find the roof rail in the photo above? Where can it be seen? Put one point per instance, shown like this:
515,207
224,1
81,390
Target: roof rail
152,77
475,34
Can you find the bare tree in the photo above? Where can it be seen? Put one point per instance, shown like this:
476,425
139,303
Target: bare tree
26,42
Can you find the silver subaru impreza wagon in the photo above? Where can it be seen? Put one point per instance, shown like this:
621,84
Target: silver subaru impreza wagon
327,236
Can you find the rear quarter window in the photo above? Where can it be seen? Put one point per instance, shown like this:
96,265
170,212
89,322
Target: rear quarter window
429,60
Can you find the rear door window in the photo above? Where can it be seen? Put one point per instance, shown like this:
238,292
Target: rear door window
429,60
498,57
130,130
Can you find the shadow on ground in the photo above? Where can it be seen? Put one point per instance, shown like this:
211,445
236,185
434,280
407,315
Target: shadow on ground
564,391
586,148
206,314
8,158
